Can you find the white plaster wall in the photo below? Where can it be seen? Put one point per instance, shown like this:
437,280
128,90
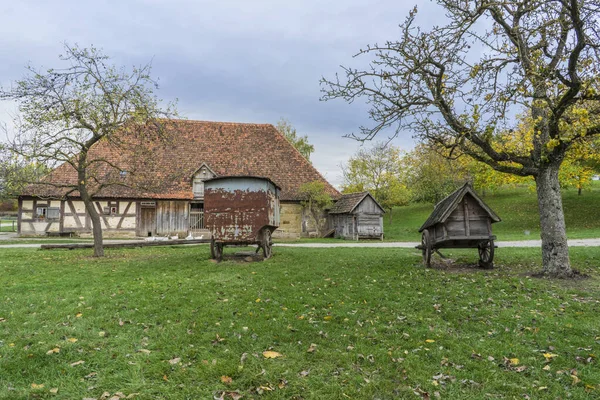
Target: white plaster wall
79,207
27,204
128,223
69,222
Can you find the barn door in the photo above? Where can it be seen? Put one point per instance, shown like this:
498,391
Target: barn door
196,217
147,221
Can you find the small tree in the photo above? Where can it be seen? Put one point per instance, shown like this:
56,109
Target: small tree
66,112
378,170
458,84
299,142
316,201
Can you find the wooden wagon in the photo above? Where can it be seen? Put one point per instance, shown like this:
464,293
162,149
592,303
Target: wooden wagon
242,211
461,220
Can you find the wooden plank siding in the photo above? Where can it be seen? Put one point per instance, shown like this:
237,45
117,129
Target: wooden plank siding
364,222
468,219
172,218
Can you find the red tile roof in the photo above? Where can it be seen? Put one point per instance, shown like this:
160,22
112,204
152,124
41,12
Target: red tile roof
226,148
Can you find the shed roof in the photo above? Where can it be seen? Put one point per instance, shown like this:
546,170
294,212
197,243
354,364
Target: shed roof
218,178
444,208
226,148
348,202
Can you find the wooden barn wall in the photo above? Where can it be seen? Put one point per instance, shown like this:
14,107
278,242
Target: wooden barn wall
369,219
468,219
172,218
343,225
369,225
368,206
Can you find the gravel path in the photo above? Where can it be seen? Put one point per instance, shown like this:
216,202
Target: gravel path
519,243
408,245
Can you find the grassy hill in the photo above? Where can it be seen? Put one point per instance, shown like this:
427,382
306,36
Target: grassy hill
518,209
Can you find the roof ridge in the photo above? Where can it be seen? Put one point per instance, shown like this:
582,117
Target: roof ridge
198,121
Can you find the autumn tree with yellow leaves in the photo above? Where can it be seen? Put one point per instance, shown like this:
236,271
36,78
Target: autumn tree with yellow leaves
458,85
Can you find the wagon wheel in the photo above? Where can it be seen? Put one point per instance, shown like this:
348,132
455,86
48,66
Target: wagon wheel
267,244
216,250
426,248
486,254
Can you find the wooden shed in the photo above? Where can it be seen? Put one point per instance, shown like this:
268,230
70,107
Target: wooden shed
460,220
357,216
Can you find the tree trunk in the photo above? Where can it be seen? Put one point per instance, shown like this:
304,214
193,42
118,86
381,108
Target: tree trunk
391,210
96,225
555,251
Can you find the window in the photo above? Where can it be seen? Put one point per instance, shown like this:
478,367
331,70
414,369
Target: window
53,213
111,209
41,211
199,177
198,188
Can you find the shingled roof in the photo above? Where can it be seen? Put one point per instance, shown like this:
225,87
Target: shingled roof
226,148
444,208
348,202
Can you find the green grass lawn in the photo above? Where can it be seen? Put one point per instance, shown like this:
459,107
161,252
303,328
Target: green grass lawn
167,323
519,213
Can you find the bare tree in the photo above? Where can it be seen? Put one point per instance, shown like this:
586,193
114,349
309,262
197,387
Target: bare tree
460,84
65,113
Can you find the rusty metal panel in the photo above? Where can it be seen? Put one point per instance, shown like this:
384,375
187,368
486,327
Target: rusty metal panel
237,208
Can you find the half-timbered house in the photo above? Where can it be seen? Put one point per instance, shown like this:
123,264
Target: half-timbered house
192,152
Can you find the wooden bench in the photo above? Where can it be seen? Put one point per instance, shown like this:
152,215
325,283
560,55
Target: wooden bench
60,234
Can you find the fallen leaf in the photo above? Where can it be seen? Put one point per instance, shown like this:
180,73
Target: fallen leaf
165,378
521,368
36,386
328,318
101,333
546,368
576,379
226,380
542,388
78,315
282,383
174,361
77,363
550,356
227,395
514,361
53,351
271,354
72,340
53,390
429,341
145,351
312,348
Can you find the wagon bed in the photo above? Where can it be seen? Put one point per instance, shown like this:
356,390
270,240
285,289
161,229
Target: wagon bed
241,211
461,220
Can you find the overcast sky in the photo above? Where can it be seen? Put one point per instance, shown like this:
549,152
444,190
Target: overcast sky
228,60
